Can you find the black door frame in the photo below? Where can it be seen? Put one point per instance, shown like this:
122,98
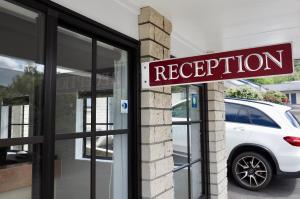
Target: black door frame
57,15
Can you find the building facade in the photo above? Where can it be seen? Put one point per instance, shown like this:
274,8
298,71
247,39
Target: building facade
75,122
292,91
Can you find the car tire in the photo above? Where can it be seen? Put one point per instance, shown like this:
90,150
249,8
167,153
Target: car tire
251,171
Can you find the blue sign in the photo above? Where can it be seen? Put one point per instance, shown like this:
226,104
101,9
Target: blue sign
124,106
194,101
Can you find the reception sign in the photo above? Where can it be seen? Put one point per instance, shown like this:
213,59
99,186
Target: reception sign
247,63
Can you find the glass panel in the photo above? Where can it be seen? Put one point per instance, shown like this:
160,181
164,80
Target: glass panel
194,104
73,82
112,176
260,118
231,112
181,184
195,142
243,115
20,168
102,146
180,151
21,70
179,107
112,86
72,176
196,180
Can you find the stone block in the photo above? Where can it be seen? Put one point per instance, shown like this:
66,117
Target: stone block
215,95
216,115
167,117
152,117
150,48
166,53
164,166
168,148
152,152
217,189
147,99
167,89
216,125
146,31
216,135
216,105
161,37
217,146
149,14
167,25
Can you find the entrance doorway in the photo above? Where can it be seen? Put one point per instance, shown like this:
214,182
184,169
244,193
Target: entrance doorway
67,103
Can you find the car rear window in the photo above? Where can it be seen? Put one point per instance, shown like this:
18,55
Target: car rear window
247,115
293,120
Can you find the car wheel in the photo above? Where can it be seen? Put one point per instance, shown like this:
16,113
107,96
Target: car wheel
251,171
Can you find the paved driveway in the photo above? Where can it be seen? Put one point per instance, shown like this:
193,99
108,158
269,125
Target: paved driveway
279,188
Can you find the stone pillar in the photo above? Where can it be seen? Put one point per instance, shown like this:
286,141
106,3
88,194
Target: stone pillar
156,119
216,127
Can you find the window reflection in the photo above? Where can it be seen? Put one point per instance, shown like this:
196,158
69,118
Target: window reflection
20,97
18,165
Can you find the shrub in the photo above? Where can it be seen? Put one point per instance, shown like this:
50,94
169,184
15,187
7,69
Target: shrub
275,97
249,93
244,93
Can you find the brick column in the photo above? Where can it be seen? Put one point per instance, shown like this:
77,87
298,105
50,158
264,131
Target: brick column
217,155
156,119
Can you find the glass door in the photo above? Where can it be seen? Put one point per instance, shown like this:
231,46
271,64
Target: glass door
91,119
21,96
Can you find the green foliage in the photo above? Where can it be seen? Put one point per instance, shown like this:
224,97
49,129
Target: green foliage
22,85
244,93
275,97
249,93
280,79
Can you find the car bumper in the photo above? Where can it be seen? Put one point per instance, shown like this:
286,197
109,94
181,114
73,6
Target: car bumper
283,174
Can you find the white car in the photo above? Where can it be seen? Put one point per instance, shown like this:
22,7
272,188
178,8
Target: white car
262,140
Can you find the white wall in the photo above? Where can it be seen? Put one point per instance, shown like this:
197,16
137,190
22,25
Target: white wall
111,13
123,17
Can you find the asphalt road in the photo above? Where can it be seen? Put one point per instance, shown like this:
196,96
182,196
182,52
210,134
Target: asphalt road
279,188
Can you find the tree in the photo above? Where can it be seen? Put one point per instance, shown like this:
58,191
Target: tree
22,85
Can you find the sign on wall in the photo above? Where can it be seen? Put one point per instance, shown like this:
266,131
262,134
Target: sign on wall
246,63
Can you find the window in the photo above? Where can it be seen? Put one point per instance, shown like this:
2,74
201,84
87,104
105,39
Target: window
231,112
104,144
89,119
247,115
293,98
21,93
243,115
49,105
188,136
259,118
179,110
292,119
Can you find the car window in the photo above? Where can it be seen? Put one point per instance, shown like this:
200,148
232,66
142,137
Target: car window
231,112
293,120
260,118
179,110
243,115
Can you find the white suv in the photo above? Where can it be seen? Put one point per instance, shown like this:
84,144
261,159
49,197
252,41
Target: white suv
262,140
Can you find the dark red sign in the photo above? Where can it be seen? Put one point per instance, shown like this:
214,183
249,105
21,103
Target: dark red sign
246,63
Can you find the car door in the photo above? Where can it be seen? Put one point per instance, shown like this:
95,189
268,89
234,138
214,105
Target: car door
238,125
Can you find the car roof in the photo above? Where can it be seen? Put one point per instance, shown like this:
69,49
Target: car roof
263,105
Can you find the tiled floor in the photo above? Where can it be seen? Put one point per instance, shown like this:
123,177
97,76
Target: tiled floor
278,189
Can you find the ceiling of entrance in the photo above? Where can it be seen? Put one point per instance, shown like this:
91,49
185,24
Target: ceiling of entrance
218,25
